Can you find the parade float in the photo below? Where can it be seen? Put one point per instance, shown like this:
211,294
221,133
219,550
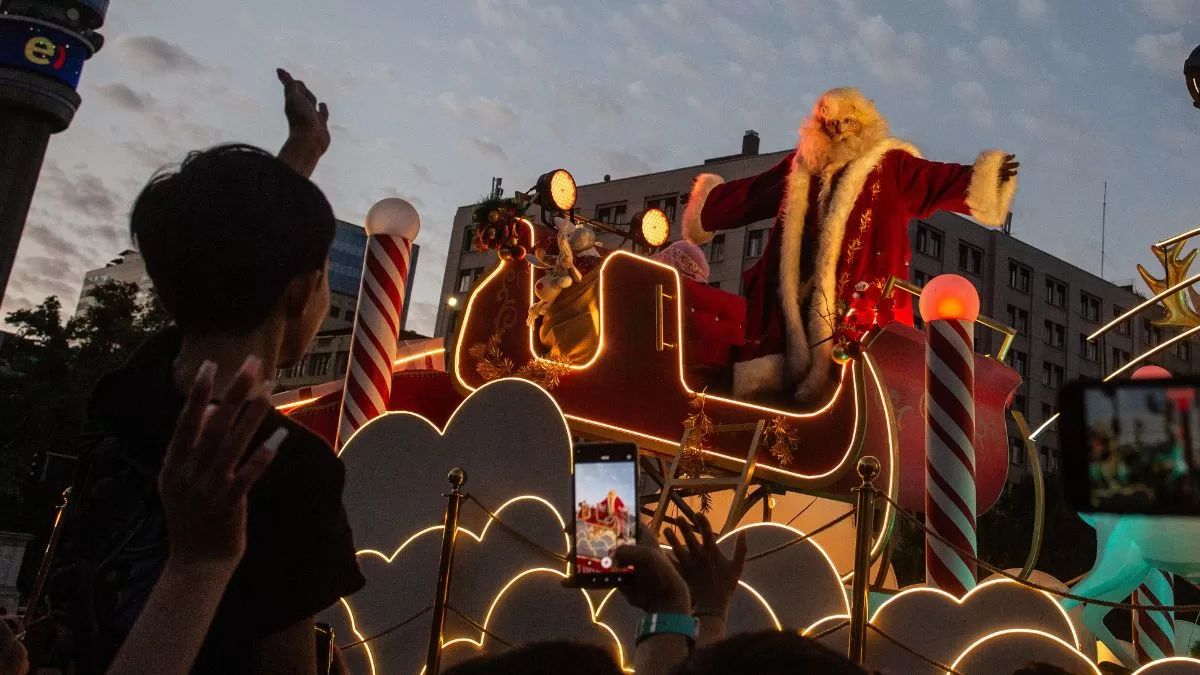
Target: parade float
568,340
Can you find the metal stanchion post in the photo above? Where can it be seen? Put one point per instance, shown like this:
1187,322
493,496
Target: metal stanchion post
868,470
35,596
433,656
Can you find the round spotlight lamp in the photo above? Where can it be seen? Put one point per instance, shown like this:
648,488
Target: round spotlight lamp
1191,73
556,190
452,301
652,227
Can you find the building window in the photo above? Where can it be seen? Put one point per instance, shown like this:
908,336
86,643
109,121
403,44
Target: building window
1019,404
1183,351
318,364
1018,361
1088,350
1056,292
920,278
970,259
1126,326
1120,357
666,203
340,361
754,243
1052,375
716,250
1019,276
1049,460
1047,412
1056,334
613,214
1152,335
1089,306
466,279
1016,451
469,234
1018,319
929,242
335,312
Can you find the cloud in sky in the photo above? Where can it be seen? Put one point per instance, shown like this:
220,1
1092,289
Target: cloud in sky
433,102
1161,53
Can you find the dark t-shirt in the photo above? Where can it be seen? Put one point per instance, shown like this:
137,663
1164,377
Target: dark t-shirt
299,555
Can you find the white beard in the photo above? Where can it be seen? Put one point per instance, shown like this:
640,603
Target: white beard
822,153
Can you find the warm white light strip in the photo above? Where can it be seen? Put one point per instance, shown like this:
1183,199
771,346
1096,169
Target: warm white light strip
1128,315
1025,631
1151,352
1179,237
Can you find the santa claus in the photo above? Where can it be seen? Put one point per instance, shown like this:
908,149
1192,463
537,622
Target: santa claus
841,202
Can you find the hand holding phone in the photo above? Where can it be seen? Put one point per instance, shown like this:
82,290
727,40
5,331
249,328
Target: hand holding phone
605,494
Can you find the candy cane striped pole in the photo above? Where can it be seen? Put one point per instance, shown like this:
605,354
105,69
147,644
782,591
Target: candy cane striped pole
1154,632
392,225
949,304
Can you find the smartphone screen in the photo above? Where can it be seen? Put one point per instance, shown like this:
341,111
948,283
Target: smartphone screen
605,497
1140,448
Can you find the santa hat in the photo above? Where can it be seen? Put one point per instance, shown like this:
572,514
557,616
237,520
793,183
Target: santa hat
686,257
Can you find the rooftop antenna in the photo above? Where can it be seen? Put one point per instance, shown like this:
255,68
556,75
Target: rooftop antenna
497,189
1103,227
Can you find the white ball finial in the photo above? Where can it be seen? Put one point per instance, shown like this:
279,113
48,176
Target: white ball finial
393,216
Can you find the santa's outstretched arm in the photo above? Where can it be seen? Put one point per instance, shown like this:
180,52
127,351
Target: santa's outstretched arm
716,205
983,190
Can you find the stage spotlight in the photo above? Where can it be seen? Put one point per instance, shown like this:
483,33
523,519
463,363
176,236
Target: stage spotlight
652,227
556,190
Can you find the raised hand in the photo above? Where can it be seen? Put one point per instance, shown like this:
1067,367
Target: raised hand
1008,170
711,577
204,481
13,658
308,125
657,587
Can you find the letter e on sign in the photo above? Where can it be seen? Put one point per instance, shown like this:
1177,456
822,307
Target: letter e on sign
40,50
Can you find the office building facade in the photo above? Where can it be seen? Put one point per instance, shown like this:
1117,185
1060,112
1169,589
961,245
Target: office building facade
1053,305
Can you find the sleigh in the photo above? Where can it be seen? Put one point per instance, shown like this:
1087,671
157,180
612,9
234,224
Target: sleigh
659,343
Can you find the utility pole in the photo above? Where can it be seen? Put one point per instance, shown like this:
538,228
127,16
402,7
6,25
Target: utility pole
43,45
1103,226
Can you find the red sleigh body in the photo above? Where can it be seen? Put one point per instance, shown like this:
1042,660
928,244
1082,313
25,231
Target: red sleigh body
640,383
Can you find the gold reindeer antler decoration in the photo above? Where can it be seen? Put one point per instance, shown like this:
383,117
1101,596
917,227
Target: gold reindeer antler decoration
1179,307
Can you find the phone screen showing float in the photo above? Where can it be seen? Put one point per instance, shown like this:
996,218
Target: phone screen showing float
605,487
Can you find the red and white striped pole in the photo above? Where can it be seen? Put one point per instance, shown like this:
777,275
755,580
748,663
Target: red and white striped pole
392,225
1154,632
949,305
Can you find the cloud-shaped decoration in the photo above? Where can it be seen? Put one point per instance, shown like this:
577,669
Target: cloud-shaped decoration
400,584
514,443
940,626
1003,652
1180,665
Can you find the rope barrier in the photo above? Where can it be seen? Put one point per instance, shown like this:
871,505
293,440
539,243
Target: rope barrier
397,627
831,630
801,538
940,666
513,531
479,627
1038,587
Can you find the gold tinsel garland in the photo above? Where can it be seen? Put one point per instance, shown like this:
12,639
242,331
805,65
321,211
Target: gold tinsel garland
492,364
782,441
691,459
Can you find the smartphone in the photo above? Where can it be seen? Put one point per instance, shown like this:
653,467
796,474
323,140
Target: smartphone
605,495
1131,447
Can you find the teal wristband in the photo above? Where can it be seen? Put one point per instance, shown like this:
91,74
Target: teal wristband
671,624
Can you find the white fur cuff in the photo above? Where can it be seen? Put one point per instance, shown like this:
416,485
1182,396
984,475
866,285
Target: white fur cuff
990,200
763,375
693,231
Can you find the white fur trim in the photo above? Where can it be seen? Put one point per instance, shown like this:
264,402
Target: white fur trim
763,375
817,360
693,231
990,200
791,296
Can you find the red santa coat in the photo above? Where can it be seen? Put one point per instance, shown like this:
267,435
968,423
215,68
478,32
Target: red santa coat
832,232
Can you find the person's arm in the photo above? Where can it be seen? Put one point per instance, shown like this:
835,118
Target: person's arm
308,126
203,485
14,660
657,588
715,204
291,651
983,190
711,577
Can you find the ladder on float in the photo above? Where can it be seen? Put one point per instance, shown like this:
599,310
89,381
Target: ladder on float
739,483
